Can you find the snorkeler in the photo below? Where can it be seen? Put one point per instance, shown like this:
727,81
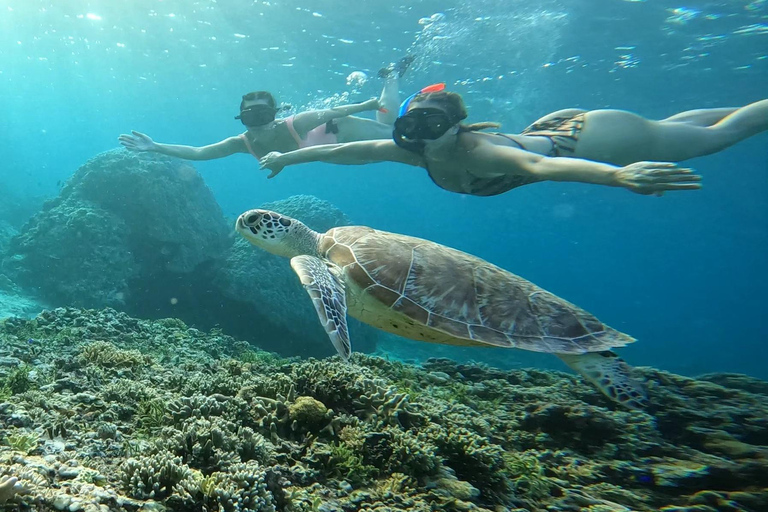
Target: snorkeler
265,133
459,158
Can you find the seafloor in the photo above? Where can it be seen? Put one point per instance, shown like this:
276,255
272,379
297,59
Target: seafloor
100,411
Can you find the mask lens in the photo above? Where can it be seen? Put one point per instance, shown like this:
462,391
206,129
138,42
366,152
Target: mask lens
437,123
257,115
406,125
423,123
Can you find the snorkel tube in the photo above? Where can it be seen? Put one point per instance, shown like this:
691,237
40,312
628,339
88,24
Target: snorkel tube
416,146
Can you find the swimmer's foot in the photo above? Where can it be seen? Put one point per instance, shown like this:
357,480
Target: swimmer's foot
400,67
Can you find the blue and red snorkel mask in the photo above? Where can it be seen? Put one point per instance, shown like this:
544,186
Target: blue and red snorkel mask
440,86
413,127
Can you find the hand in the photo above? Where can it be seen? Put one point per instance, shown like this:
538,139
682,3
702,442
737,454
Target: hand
272,161
657,177
137,142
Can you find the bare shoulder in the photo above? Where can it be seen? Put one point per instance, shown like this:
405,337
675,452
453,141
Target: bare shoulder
386,149
236,143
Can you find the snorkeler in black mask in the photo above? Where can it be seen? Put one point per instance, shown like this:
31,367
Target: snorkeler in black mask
413,127
259,114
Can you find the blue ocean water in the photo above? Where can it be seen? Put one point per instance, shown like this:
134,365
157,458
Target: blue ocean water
685,274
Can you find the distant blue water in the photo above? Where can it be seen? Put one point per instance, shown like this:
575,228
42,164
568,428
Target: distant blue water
685,274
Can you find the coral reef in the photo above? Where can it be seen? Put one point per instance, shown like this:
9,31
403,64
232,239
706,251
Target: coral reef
120,217
115,413
143,233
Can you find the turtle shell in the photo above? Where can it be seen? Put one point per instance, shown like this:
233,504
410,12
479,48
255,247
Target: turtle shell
462,296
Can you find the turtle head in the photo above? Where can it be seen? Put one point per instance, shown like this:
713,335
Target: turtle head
277,233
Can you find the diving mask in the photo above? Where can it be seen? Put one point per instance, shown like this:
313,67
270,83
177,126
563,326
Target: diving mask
424,124
257,115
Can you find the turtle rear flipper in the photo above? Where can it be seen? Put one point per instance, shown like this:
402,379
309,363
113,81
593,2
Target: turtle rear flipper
611,375
328,297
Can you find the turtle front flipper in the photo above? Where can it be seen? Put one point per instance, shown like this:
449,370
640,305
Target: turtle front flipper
327,293
611,375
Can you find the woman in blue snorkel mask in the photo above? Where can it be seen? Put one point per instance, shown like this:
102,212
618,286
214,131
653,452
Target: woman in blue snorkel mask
265,132
602,147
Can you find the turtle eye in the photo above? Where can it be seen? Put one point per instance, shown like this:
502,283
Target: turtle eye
253,219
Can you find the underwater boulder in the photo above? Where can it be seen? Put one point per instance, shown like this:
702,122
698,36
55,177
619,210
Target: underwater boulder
121,221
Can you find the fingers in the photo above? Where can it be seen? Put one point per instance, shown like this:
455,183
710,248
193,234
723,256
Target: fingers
679,186
680,178
659,165
273,174
673,171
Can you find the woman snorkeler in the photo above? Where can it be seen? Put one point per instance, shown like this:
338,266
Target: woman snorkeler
568,145
265,133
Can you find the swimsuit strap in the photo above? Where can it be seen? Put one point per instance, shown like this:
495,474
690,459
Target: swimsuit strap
289,123
248,145
519,145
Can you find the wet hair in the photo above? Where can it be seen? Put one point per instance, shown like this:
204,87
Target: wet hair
453,105
259,95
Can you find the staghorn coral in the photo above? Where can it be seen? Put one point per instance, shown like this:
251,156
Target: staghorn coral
157,477
214,444
242,489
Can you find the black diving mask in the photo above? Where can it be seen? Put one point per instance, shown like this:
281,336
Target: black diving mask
420,124
257,115
424,123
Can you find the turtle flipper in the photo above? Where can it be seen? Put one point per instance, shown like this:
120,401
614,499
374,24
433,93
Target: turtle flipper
327,293
611,375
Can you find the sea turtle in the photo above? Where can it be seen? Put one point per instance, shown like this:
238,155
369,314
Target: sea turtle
425,291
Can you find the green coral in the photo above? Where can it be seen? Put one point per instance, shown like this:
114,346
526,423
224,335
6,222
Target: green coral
102,353
17,381
151,414
22,441
344,462
527,475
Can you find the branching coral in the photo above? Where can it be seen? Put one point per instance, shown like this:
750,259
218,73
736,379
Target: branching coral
107,355
157,477
241,489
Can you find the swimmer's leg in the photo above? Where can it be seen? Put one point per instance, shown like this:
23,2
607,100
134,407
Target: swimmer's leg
680,141
353,128
701,117
389,100
620,137
390,95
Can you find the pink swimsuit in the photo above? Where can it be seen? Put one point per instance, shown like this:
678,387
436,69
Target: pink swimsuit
315,137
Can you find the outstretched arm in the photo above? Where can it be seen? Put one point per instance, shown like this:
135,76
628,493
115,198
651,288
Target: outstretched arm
639,177
140,142
350,153
307,121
